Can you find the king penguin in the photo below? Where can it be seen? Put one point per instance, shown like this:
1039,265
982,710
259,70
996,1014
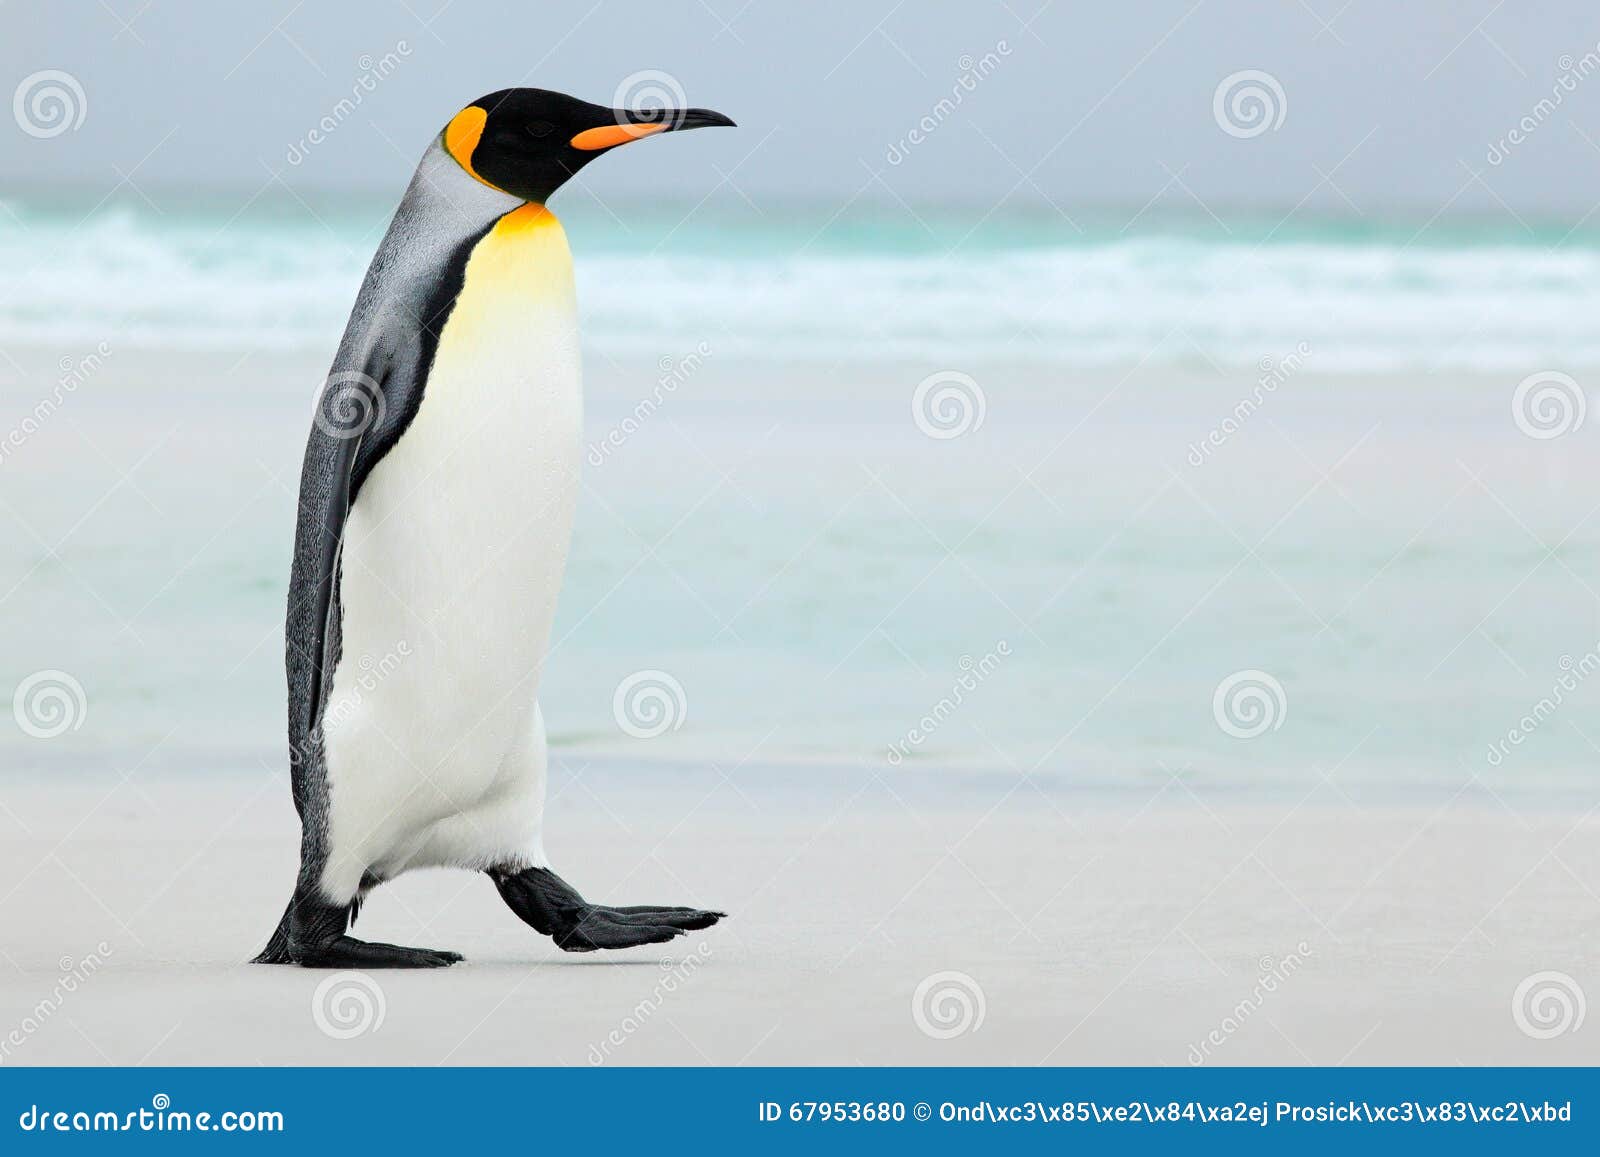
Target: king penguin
435,510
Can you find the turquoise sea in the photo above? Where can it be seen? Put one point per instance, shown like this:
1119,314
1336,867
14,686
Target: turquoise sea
1100,288
1121,499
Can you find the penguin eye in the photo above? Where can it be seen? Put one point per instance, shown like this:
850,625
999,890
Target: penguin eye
541,128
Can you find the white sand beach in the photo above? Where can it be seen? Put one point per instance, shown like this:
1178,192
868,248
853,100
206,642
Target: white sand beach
1366,883
1098,931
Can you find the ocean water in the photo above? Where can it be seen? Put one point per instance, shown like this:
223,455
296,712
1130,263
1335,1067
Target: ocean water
1187,504
818,285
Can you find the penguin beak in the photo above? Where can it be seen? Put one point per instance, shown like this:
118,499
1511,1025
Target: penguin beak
628,125
701,118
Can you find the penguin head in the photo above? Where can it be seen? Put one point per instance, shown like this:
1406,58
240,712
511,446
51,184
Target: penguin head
529,141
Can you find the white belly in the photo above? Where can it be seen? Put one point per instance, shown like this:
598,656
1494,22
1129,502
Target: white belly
452,561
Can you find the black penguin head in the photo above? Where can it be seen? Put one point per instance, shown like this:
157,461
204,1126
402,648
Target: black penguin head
528,141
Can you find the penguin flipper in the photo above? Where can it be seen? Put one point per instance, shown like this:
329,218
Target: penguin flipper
328,486
369,398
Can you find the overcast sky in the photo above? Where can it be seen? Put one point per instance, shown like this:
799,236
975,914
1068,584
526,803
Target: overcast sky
1385,107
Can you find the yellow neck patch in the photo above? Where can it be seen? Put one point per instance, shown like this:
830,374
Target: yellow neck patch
521,270
461,137
524,219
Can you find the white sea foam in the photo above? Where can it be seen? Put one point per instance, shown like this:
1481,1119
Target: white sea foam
1374,304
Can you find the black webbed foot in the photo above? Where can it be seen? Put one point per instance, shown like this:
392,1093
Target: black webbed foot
311,934
348,952
548,904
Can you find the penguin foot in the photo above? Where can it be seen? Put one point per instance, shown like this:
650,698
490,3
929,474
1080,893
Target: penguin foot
550,905
348,952
311,934
602,927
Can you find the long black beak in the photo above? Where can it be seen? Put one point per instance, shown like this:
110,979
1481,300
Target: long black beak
632,124
694,118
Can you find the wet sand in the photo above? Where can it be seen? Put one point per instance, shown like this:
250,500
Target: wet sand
1041,925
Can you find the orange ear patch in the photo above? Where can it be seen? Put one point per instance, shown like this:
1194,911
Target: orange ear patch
607,135
461,136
